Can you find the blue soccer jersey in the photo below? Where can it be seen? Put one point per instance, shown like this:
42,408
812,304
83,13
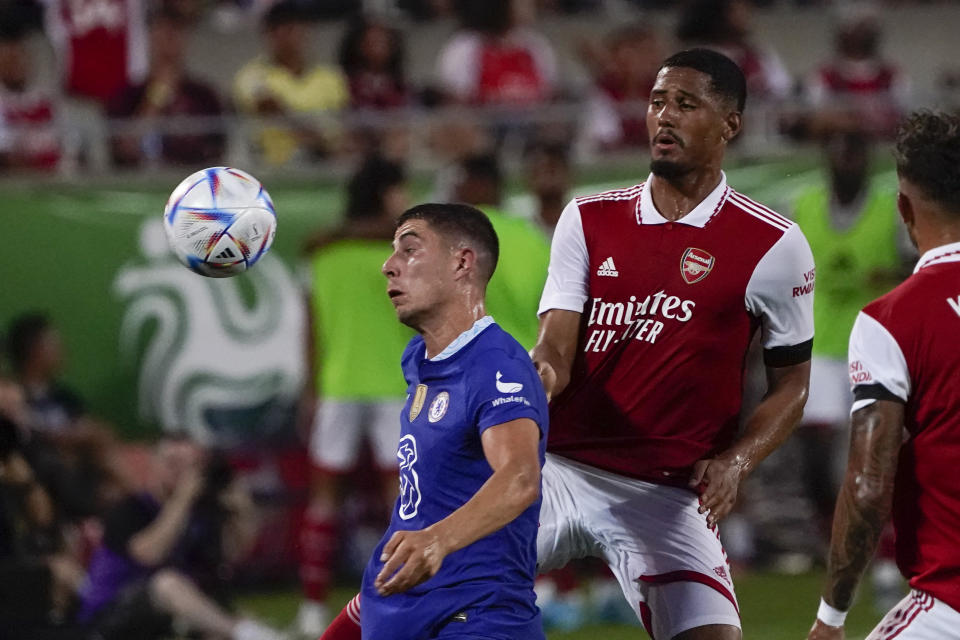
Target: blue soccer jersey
485,590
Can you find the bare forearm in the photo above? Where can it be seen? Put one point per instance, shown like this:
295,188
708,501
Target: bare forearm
865,500
857,525
556,348
154,543
770,425
503,497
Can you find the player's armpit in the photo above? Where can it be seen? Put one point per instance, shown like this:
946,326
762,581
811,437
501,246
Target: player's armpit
556,348
865,499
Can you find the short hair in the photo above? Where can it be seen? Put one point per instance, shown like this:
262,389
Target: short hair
284,12
22,334
483,166
461,223
368,187
726,77
928,155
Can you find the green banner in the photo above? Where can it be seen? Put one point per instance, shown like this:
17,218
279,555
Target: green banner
150,345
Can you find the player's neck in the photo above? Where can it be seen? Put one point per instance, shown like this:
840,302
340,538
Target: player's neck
677,196
445,327
938,236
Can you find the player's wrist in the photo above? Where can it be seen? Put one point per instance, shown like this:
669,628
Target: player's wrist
830,615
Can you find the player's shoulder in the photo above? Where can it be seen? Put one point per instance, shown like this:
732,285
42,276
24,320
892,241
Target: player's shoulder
903,305
605,199
494,342
755,218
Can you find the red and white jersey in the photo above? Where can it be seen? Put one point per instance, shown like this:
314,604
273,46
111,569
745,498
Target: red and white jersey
905,347
668,312
519,69
101,44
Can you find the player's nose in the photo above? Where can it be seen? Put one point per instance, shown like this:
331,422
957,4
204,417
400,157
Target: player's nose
389,267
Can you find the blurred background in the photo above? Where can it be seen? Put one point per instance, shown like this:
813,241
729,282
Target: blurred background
285,379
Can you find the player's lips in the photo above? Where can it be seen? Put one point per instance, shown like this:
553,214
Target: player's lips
666,140
394,293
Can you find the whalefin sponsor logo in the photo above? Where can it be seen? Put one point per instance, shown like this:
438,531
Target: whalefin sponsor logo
695,265
507,387
607,268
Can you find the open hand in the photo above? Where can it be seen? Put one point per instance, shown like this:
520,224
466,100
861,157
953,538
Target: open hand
410,557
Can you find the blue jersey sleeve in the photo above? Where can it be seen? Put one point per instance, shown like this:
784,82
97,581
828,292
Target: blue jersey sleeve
505,388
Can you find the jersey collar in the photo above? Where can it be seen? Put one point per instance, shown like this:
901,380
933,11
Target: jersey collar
937,255
464,338
647,213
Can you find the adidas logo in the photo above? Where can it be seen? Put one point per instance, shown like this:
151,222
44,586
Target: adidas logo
607,268
226,253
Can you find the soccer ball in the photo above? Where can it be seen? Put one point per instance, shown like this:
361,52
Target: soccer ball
219,221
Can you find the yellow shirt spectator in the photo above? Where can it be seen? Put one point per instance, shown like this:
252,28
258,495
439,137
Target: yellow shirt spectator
281,84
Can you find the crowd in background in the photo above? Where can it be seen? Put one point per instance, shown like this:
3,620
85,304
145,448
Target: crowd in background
108,543
125,77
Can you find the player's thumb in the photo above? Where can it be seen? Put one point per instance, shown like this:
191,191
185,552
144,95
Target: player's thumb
699,471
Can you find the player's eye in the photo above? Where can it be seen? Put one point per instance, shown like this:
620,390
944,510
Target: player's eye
656,103
686,106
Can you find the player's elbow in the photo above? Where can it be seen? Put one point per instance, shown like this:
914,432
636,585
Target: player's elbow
525,486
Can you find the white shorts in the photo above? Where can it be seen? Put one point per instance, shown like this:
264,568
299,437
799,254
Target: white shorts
669,563
339,428
830,397
919,616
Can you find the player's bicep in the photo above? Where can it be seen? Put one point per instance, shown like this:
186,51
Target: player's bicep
568,272
876,434
780,294
512,444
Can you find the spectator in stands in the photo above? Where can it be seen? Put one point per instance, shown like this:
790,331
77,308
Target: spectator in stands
372,57
101,47
39,582
724,25
858,86
143,108
352,322
549,180
160,547
37,357
73,455
29,137
624,69
513,294
283,86
495,60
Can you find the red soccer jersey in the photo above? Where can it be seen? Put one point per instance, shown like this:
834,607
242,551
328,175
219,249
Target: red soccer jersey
668,312
905,346
101,44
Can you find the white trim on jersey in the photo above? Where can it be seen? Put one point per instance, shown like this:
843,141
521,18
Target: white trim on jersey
760,212
938,255
568,273
876,358
778,292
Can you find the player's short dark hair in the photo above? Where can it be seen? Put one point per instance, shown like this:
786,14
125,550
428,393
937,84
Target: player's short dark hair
369,185
482,166
461,223
928,155
726,77
22,335
284,12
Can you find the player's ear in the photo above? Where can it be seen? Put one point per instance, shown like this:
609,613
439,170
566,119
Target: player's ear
466,261
733,123
905,207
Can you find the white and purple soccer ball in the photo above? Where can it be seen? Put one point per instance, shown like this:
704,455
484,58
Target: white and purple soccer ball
220,221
